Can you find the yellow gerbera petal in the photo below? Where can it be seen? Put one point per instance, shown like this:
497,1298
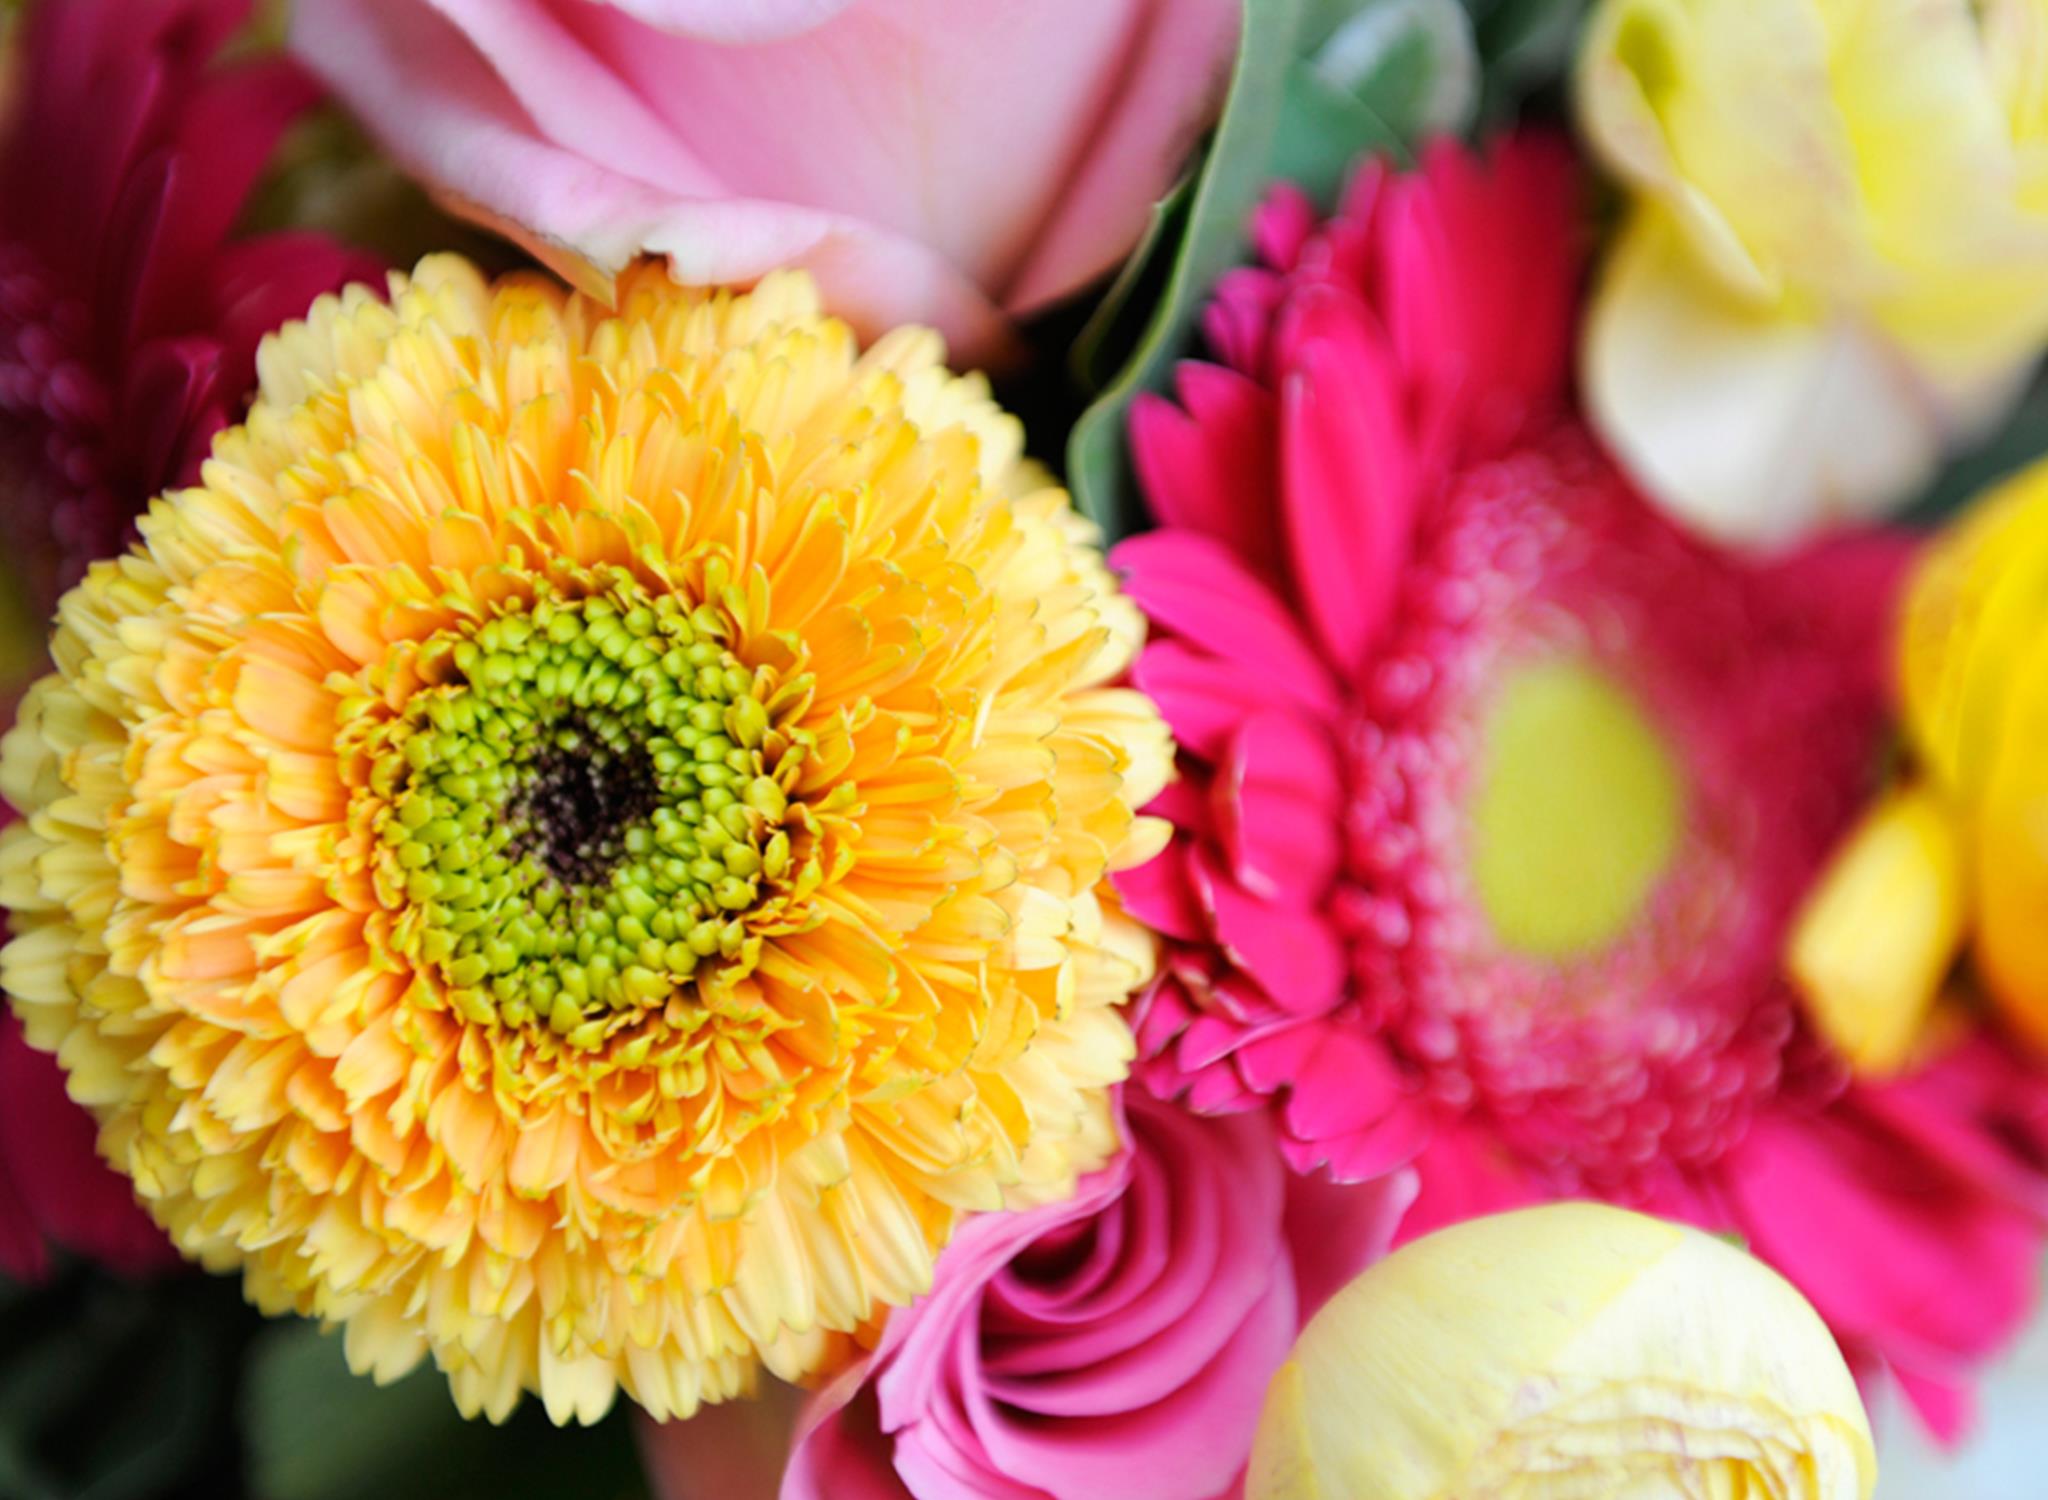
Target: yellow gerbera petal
526,858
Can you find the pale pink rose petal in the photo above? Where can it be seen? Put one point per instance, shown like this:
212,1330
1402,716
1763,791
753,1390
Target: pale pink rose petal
848,137
467,131
725,21
1146,127
888,113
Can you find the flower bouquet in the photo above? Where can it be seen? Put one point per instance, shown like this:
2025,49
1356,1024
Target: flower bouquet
1150,749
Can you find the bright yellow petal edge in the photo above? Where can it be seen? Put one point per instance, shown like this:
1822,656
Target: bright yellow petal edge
1562,1352
579,848
1954,862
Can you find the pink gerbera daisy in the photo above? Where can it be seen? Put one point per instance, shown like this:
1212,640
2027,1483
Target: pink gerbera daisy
129,320
1499,792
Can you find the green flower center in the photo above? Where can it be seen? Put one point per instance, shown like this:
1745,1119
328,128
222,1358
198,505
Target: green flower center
1579,810
587,812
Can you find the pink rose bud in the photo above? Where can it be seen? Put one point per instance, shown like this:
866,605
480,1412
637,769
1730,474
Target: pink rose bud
952,164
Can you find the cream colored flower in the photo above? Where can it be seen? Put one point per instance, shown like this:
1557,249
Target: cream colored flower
1563,1353
1836,260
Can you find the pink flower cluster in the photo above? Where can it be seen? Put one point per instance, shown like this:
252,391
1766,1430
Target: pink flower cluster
129,319
1378,509
1118,1343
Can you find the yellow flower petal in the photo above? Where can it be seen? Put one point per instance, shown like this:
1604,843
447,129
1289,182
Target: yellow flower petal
1749,422
579,850
1561,1352
1839,214
2009,857
1881,929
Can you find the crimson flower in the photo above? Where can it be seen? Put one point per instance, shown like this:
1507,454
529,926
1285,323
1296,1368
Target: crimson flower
129,320
1499,791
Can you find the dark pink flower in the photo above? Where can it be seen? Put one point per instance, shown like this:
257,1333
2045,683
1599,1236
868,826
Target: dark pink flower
53,1185
1500,791
129,319
1116,1344
129,316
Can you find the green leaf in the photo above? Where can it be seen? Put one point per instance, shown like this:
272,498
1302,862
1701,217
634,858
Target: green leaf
1412,61
317,1432
1323,131
2020,440
1525,46
1228,189
1110,336
1310,93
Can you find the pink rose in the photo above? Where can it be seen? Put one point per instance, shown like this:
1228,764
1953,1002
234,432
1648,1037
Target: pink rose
951,162
1117,1344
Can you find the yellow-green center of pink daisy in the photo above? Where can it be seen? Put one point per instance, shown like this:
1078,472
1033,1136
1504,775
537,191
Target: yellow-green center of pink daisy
1578,813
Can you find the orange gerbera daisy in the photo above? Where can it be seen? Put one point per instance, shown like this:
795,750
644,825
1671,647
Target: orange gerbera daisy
578,848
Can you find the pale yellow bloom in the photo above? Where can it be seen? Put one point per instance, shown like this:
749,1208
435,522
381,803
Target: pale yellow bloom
1835,259
1569,1352
1880,930
1888,921
579,848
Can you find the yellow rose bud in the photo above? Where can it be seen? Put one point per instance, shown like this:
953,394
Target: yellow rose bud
1835,261
1558,1353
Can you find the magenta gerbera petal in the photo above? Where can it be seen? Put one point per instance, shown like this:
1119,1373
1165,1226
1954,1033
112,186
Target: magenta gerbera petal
1500,791
129,322
129,318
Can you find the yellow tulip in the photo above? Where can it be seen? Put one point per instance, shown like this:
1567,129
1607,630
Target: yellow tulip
1563,1353
1885,924
1835,260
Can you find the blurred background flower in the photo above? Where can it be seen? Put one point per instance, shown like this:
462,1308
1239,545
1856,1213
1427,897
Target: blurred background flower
928,162
1500,791
1564,1352
129,318
54,1189
1835,258
129,311
1956,856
